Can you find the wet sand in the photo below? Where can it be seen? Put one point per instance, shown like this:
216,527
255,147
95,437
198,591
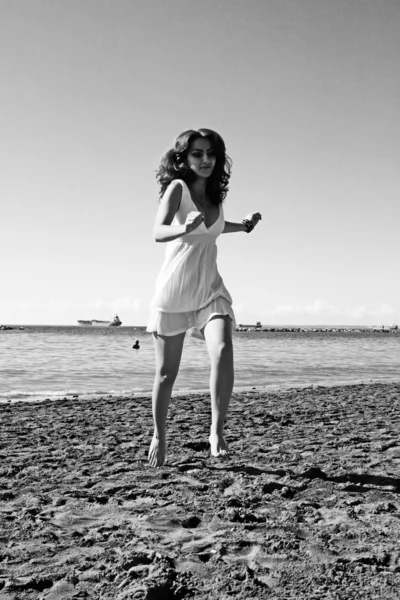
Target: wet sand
306,507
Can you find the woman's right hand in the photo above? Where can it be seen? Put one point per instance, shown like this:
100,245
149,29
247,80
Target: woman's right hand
193,220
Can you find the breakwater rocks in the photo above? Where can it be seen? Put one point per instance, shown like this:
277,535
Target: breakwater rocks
318,329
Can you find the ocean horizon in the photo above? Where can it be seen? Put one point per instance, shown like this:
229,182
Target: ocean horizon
263,325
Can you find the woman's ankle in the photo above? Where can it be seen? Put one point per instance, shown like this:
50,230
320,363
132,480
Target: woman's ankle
159,435
216,430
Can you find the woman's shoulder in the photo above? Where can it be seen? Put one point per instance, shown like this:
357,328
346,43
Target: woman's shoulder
176,189
174,193
178,184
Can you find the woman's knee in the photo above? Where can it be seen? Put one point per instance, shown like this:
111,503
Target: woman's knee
223,350
168,357
166,376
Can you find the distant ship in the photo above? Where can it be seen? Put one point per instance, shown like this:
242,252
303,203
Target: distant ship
116,322
257,325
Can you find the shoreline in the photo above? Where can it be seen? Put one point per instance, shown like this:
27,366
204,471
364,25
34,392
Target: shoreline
306,505
91,396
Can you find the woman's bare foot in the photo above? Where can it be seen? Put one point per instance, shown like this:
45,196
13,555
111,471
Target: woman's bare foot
157,452
218,445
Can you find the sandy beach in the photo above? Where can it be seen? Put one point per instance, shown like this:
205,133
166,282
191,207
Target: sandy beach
306,507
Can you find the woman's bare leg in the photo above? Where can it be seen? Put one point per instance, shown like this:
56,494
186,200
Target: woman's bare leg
218,335
168,357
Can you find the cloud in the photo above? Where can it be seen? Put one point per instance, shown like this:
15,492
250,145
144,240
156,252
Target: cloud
325,309
384,309
117,304
362,311
317,307
321,307
357,313
238,309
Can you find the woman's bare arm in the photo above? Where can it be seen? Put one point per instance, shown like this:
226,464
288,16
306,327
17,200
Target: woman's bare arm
230,227
163,230
233,227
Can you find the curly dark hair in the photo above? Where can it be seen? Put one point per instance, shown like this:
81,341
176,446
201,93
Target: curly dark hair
173,164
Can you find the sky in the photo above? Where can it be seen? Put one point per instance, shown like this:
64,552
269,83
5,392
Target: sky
306,95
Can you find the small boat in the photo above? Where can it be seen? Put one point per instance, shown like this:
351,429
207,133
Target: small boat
116,322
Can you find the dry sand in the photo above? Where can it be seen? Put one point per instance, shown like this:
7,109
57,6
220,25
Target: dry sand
306,507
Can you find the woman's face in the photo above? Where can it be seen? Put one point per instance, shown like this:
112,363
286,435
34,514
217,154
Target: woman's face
201,157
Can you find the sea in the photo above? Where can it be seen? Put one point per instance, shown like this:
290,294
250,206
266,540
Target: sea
50,362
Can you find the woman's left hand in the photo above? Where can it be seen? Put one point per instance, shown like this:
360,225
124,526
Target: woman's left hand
254,218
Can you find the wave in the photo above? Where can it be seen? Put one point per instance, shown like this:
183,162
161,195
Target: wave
34,396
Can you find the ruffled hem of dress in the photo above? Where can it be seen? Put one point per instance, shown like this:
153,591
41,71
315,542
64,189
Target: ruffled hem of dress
164,323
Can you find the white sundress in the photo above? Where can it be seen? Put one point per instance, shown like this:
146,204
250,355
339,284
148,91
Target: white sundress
189,289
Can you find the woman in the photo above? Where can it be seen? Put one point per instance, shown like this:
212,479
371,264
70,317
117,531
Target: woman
190,293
